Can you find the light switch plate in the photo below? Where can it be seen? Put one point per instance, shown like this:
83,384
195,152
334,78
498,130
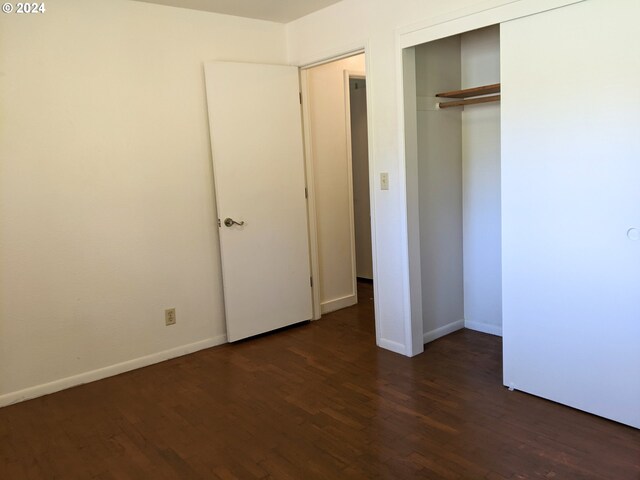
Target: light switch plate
384,181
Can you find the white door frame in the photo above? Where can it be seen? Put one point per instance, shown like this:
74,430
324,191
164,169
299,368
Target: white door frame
311,195
311,204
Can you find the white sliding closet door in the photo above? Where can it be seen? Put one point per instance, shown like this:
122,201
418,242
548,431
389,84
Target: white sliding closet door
571,206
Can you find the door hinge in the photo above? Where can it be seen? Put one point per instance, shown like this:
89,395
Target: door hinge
300,97
306,192
311,281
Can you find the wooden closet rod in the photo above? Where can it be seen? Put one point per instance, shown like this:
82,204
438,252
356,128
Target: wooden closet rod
470,101
471,92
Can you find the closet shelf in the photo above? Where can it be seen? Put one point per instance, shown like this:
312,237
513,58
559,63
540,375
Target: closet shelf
471,96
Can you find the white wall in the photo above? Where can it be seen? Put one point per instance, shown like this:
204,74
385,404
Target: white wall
480,57
107,204
360,168
332,177
438,69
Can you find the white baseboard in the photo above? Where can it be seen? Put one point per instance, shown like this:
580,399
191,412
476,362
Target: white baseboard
338,303
111,370
442,331
484,328
392,346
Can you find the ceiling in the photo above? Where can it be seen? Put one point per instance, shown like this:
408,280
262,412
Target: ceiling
282,11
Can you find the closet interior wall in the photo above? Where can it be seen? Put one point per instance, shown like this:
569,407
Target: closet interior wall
459,186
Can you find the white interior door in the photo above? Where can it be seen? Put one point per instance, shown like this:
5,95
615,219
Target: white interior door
256,140
571,206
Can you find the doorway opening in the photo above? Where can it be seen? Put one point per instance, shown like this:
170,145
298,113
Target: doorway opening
337,166
452,132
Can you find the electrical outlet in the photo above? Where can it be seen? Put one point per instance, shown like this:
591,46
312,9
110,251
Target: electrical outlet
170,316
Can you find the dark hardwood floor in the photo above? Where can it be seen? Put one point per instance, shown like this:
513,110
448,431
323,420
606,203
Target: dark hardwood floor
318,401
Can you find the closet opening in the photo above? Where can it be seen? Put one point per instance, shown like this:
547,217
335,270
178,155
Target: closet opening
334,97
452,125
